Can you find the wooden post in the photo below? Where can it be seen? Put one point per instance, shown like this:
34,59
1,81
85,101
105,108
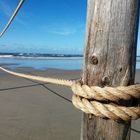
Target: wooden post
110,57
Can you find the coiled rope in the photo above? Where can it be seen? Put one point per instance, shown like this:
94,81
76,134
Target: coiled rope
93,99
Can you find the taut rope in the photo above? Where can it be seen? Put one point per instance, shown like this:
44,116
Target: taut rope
12,17
41,79
87,98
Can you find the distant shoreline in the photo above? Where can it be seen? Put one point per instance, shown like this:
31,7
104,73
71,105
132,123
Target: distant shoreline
15,66
45,61
34,69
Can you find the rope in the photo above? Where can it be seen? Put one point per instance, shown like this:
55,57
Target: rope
113,112
107,93
12,17
84,97
41,79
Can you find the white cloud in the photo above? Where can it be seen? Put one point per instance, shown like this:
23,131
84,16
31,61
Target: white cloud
5,8
63,30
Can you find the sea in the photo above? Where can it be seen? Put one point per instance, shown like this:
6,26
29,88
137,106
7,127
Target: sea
45,61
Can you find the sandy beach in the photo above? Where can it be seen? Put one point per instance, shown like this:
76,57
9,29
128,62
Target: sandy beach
34,111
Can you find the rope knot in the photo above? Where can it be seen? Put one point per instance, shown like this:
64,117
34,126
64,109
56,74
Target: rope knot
94,100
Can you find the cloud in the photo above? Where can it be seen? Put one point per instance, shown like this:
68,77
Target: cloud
7,11
5,8
63,30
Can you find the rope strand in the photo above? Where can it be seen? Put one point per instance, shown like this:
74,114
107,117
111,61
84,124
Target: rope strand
41,79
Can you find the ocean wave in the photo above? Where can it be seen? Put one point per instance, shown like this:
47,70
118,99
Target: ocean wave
39,56
6,56
48,58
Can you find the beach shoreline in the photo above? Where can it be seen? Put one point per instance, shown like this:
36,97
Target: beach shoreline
67,63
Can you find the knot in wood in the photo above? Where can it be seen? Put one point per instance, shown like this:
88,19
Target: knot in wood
94,60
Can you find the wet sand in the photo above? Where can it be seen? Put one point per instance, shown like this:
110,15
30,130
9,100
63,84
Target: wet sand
33,111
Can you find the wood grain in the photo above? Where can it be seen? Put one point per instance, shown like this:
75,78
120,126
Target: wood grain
111,36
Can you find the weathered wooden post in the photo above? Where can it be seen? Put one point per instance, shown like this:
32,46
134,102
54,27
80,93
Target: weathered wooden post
110,57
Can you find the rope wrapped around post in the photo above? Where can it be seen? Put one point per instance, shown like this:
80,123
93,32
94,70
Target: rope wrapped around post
94,100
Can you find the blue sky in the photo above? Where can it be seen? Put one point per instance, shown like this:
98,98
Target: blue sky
45,26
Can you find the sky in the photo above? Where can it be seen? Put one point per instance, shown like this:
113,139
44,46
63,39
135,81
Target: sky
45,26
